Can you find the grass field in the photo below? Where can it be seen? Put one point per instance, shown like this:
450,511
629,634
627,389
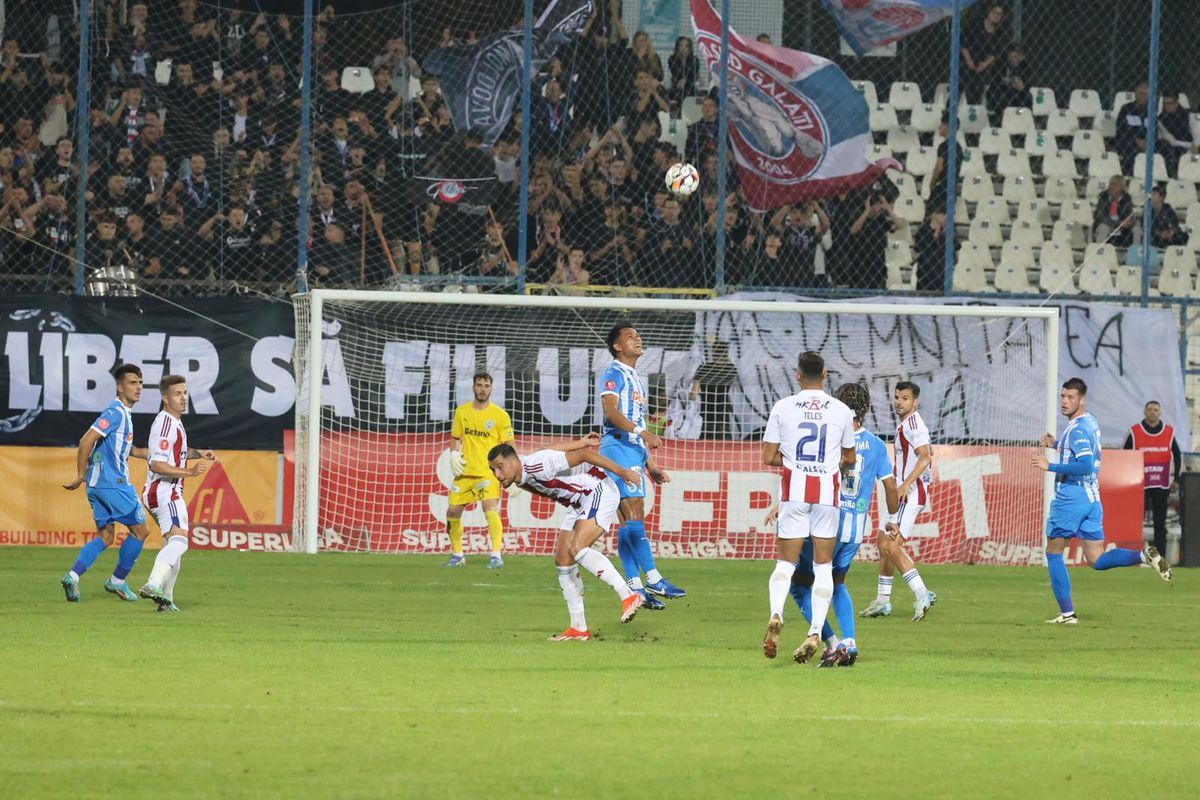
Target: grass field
376,676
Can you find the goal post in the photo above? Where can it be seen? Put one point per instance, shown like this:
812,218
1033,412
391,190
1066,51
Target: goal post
373,421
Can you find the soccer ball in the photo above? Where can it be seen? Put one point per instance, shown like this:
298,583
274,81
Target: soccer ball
682,179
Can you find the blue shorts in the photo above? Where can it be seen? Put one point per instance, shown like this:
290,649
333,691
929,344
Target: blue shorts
116,504
1072,518
843,557
630,457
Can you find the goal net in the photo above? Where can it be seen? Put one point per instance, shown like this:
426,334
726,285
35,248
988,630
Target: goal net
373,433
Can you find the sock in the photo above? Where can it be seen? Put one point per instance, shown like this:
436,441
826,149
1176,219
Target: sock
779,585
577,578
884,594
455,529
598,564
850,643
843,606
641,547
1060,582
653,575
495,528
822,594
168,586
167,558
127,556
570,590
1118,557
628,556
88,555
915,583
635,583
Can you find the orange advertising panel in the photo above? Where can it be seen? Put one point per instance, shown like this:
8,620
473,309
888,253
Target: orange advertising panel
241,488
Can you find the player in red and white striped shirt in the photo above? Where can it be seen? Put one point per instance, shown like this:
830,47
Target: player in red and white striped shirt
163,493
810,435
914,474
573,475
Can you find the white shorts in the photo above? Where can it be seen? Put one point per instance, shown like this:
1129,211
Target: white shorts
907,514
167,513
602,508
802,520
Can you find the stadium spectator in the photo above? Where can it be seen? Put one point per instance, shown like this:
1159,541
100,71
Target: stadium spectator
684,65
867,268
1165,228
929,246
1162,463
1012,83
236,237
1132,122
331,101
939,182
59,173
172,249
801,228
401,66
670,253
332,260
550,122
644,57
610,248
1113,219
703,136
102,251
982,46
647,101
570,271
55,232
1178,134
195,191
135,244
552,242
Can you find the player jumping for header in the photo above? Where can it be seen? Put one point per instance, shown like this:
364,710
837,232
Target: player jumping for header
574,475
624,397
1076,512
914,470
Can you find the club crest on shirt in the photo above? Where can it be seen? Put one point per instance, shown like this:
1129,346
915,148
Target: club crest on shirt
610,385
163,444
103,424
490,424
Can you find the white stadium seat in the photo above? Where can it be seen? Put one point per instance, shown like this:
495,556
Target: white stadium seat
972,119
1084,102
1097,278
994,141
1018,122
976,188
993,210
970,272
910,208
1060,164
1062,123
904,96
1180,258
985,233
1120,99
926,118
1018,188
1036,211
1104,166
1171,282
1026,233
867,90
1139,167
1060,190
1012,163
972,162
1106,123
1098,253
903,138
920,161
1043,101
883,118
1069,234
1077,211
1087,144
1189,168
1129,281
1057,279
1039,144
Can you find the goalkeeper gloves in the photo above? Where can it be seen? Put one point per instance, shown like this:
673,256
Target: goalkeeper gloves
457,463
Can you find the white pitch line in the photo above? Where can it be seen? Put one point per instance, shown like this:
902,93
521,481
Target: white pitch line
517,712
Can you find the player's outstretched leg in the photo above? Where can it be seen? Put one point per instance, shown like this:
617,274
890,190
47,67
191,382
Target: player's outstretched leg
87,556
1124,557
1157,561
127,556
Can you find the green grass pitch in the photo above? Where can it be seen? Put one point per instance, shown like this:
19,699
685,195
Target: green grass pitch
378,676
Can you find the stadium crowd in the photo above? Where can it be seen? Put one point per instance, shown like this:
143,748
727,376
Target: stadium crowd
193,162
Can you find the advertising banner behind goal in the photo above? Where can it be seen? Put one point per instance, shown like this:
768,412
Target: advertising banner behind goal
390,495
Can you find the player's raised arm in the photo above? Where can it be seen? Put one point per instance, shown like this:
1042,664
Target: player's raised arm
593,457
570,445
86,444
612,413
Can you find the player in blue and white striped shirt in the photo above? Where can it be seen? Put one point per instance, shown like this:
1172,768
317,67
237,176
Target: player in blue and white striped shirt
623,394
857,491
1076,511
103,463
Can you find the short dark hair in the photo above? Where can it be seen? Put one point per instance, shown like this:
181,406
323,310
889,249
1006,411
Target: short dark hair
482,376
909,386
811,366
1076,384
857,398
614,333
126,369
505,450
168,381
1152,403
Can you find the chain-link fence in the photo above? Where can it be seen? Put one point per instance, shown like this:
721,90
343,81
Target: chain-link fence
193,160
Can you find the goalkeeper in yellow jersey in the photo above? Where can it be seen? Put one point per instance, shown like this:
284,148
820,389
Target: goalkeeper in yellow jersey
478,427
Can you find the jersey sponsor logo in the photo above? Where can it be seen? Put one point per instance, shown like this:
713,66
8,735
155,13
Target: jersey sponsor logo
637,397
610,385
103,424
129,437
478,431
816,404
163,444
